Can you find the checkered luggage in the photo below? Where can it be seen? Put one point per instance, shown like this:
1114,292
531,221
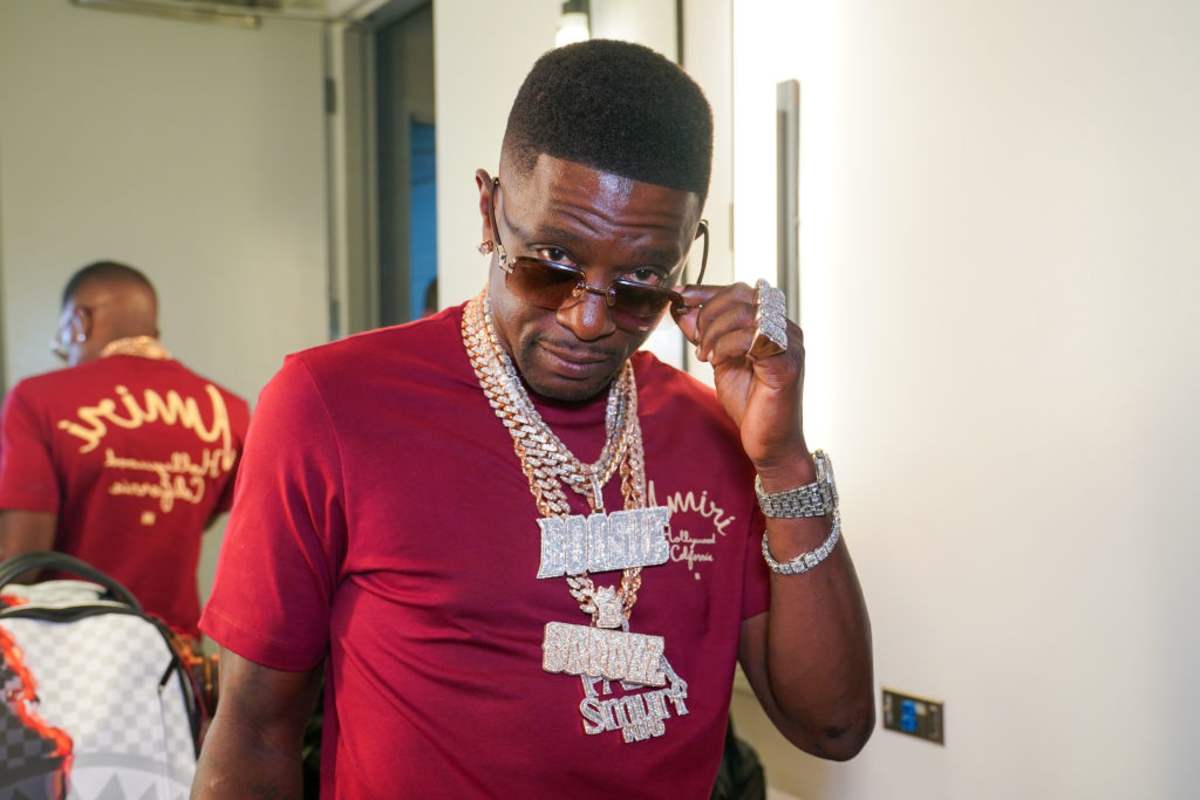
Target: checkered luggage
94,704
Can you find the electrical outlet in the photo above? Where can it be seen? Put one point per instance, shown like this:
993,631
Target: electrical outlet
915,716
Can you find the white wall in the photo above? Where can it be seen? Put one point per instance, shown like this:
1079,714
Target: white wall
482,51
648,22
193,151
707,52
1012,361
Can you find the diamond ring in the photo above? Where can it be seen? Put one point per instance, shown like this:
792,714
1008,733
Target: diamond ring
770,316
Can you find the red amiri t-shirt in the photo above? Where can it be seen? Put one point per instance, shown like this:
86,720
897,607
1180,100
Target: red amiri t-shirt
382,522
135,456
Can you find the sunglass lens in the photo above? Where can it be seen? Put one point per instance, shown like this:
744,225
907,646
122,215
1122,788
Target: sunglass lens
639,307
543,283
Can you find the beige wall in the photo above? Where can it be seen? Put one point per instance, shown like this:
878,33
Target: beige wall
193,151
707,50
1012,363
478,67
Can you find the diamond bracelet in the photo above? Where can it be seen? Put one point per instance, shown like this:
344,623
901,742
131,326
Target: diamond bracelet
816,499
805,561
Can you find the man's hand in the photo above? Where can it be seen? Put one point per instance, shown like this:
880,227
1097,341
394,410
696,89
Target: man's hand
762,396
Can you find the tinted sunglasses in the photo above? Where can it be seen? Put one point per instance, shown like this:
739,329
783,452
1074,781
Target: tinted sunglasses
546,284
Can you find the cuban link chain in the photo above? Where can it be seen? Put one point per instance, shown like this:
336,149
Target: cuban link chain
546,461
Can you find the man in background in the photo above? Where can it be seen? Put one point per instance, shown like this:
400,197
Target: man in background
124,458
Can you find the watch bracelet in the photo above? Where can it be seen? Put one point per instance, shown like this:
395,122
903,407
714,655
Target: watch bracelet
805,561
816,499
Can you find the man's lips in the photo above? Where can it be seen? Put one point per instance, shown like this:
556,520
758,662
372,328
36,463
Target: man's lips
572,362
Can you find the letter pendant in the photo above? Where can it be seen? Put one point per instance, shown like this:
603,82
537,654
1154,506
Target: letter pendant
599,542
639,715
611,654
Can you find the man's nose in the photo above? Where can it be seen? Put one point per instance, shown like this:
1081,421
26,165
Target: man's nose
585,313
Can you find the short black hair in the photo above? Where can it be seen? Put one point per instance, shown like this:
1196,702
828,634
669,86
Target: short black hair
104,271
617,107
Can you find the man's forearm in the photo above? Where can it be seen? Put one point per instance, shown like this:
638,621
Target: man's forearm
252,749
818,652
238,763
25,532
817,639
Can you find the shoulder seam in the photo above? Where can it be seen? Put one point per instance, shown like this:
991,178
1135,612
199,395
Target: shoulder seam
337,443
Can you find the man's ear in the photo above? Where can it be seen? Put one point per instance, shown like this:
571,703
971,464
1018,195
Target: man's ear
82,322
483,181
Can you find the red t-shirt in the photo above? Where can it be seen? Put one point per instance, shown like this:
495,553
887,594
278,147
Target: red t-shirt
382,521
135,456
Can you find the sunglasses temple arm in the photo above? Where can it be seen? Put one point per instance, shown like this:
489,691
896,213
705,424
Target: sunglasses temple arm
704,252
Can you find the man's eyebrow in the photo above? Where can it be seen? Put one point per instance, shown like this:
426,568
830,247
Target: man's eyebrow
646,256
655,257
550,233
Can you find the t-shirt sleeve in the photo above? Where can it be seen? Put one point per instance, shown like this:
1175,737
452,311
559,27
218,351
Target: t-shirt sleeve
285,540
756,582
28,481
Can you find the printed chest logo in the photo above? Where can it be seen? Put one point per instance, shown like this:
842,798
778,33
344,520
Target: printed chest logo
695,545
182,477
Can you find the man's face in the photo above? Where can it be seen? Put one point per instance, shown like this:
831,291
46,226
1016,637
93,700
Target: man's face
607,225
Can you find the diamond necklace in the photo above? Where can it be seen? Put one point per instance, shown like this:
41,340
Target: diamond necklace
543,445
142,346
547,462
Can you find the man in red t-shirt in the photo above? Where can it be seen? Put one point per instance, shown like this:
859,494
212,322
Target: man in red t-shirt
124,458
526,556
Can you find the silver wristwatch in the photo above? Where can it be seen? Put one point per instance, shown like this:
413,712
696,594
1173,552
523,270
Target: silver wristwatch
816,499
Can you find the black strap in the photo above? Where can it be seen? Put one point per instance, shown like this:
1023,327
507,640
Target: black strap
61,562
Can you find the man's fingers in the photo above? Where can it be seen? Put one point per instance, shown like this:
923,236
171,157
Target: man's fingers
699,295
721,322
701,302
694,298
732,345
729,317
686,320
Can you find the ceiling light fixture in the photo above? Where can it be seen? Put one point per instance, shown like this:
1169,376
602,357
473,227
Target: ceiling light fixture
575,23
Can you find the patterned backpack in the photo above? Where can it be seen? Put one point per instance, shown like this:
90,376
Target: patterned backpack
94,702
